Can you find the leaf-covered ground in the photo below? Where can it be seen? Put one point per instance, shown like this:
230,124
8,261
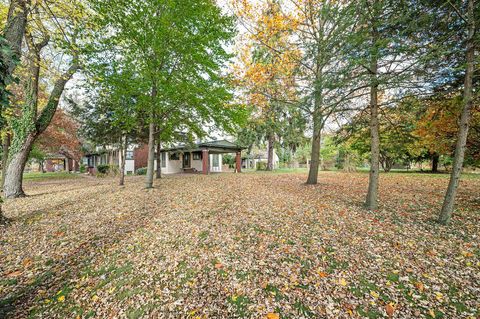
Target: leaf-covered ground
247,245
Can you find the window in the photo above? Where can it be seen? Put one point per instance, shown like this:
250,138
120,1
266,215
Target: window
164,159
197,156
215,161
174,157
129,155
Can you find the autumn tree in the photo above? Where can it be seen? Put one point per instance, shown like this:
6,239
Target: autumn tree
266,69
58,24
467,13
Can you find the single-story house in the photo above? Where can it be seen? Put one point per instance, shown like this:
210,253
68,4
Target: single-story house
202,157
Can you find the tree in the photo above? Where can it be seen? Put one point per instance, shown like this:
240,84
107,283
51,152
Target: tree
176,52
471,45
33,118
266,75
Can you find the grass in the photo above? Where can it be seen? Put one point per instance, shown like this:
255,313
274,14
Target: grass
38,176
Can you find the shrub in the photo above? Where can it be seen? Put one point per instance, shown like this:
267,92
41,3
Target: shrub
103,168
83,168
261,166
141,171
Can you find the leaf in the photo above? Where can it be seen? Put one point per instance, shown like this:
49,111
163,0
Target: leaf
374,294
322,274
61,298
272,315
390,309
343,282
14,274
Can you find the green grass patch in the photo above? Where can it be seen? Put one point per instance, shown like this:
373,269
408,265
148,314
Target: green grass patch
37,176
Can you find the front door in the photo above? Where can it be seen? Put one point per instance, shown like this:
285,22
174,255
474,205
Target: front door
186,160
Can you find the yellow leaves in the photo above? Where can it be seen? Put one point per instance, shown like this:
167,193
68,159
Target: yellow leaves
95,298
467,254
61,298
342,282
272,315
374,294
432,313
438,295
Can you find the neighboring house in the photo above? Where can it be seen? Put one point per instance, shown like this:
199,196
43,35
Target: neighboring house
111,156
202,157
54,163
259,155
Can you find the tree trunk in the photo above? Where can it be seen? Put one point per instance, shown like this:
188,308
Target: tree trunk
315,154
14,173
449,201
159,160
6,147
151,156
123,157
270,152
372,195
435,160
13,33
67,165
22,142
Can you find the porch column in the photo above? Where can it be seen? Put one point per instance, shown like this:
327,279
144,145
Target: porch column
205,164
238,160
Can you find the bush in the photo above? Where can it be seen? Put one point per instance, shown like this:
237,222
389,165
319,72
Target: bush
141,171
83,168
103,168
261,166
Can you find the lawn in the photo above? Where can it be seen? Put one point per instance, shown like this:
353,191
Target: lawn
240,245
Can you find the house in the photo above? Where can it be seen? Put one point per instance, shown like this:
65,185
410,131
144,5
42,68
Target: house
259,155
202,157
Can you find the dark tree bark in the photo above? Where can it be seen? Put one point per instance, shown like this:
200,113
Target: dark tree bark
6,147
271,140
123,157
159,160
449,201
435,160
371,201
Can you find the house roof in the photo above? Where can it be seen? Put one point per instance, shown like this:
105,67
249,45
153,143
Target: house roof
220,146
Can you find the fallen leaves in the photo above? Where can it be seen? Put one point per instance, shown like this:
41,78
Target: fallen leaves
245,245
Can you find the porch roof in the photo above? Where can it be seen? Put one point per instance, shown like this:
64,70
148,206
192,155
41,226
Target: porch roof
221,146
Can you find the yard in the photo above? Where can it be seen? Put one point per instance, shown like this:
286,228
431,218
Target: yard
252,245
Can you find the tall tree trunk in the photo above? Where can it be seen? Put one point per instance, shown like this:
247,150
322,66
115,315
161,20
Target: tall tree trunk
435,160
449,201
270,152
151,156
315,154
159,159
372,195
151,140
6,148
67,165
123,157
